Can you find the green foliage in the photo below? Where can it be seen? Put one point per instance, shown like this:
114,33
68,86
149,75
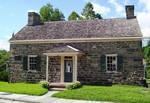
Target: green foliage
89,13
98,16
57,15
148,72
48,13
73,85
115,93
22,88
4,56
4,76
146,51
45,84
147,54
74,16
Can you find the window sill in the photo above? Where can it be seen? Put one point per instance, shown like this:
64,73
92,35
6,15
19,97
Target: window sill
111,71
32,70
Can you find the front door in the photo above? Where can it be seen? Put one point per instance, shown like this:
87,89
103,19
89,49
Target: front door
68,69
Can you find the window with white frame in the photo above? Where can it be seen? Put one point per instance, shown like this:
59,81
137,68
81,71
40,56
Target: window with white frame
111,62
32,62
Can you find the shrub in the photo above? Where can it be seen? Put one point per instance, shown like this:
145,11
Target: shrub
4,76
45,84
148,73
73,85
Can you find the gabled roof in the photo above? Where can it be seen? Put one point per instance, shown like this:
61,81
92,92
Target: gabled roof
104,28
63,49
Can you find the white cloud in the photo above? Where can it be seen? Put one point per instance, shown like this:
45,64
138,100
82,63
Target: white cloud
100,9
146,3
126,2
143,18
119,8
4,44
31,10
144,22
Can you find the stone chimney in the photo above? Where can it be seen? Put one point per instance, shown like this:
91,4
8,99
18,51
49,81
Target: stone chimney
130,12
34,19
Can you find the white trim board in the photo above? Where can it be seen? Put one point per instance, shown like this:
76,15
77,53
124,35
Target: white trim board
63,54
75,40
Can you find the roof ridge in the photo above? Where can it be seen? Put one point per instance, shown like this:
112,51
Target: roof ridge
87,20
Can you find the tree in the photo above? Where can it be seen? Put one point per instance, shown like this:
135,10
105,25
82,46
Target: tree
89,13
74,16
4,56
146,51
98,16
57,15
48,13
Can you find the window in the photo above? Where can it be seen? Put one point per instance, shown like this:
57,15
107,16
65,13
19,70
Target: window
32,62
17,58
68,66
111,62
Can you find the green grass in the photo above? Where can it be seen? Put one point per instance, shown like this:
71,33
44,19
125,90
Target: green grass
115,93
22,88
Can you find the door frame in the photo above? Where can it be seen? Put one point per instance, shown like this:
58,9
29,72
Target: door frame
74,69
70,59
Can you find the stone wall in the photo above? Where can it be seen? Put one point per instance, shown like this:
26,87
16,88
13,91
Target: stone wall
54,69
89,65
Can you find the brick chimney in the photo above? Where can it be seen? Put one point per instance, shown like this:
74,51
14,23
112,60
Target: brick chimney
34,19
130,12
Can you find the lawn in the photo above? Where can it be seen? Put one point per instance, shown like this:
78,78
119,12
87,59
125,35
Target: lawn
22,88
115,93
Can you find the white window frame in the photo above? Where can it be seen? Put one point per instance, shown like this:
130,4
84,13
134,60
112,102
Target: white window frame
29,56
109,55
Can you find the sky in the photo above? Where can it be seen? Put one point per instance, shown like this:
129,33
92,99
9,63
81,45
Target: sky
14,13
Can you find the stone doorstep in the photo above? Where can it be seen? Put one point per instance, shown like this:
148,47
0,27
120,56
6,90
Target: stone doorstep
57,89
58,85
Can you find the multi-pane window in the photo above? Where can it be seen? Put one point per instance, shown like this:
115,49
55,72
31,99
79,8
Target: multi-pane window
32,62
111,62
17,58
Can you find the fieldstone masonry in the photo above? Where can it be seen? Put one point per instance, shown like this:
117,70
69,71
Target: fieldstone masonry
89,64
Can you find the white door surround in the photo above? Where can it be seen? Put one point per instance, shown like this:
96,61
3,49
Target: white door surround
62,55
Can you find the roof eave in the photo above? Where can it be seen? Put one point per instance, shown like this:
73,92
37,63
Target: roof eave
71,40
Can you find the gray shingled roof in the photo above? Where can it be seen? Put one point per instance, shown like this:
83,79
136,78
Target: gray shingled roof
62,49
81,29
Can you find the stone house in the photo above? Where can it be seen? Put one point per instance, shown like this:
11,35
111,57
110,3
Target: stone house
89,51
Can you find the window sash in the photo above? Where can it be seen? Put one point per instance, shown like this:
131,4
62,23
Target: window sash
32,62
111,62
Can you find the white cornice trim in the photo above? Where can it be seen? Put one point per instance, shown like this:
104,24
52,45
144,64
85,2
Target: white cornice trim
63,54
75,40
